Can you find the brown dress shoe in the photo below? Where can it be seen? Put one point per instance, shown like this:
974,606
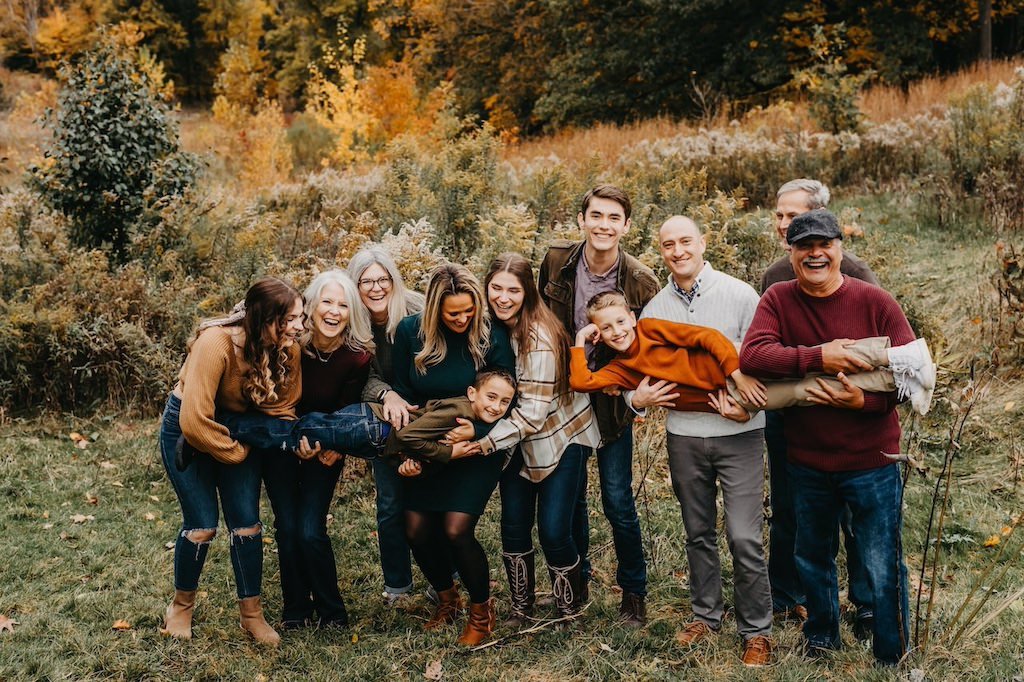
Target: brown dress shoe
178,618
694,632
449,603
480,624
757,652
632,610
797,614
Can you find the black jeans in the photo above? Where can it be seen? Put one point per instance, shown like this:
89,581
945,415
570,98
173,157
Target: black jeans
300,494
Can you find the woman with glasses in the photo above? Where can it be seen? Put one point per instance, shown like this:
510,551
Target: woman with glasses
387,301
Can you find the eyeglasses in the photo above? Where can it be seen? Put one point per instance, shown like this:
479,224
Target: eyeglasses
368,284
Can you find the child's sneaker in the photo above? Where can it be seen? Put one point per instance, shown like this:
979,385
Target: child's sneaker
914,373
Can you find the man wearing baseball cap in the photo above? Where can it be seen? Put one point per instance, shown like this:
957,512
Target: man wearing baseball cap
836,449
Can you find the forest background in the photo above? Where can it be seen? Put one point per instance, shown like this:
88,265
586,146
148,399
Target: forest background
157,156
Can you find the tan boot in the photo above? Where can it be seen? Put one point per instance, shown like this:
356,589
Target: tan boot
178,618
480,624
448,606
253,622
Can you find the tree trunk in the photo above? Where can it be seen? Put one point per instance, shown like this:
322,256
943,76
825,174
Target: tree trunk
985,54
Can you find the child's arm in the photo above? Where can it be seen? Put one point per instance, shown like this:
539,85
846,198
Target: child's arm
752,390
583,380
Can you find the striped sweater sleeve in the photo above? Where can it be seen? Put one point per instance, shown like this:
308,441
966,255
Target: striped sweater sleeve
536,392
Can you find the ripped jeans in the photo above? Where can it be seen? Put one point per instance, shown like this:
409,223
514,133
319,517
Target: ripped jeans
197,488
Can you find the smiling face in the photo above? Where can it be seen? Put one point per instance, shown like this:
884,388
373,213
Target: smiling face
289,328
616,325
816,262
505,294
682,248
603,224
457,312
491,400
375,291
787,207
330,316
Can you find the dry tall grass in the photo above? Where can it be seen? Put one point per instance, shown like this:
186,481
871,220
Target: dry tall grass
886,103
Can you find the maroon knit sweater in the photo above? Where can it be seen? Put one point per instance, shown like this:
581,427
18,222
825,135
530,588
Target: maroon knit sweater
780,343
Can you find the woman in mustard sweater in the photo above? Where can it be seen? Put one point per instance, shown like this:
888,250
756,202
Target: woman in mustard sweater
249,359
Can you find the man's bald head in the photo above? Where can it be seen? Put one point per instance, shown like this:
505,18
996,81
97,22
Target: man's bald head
682,247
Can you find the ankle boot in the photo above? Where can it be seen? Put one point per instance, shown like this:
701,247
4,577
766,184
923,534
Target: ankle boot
565,588
522,585
448,606
479,625
253,622
178,618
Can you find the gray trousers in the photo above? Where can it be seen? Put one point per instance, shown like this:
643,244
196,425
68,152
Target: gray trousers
737,463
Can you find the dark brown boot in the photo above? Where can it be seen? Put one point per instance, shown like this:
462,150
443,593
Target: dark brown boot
480,624
565,588
522,584
632,610
178,618
253,622
447,610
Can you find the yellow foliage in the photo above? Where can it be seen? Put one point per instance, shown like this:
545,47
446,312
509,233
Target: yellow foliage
66,32
258,152
339,104
392,99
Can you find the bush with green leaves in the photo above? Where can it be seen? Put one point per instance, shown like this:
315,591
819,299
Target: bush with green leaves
833,90
114,152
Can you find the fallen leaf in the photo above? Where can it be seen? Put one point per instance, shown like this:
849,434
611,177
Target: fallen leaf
46,514
75,437
976,320
107,464
154,498
81,444
433,671
82,518
122,624
1008,407
169,545
7,623
605,647
149,516
117,484
355,638
268,541
92,499
47,526
992,541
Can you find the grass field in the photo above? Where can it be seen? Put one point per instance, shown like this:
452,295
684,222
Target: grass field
86,532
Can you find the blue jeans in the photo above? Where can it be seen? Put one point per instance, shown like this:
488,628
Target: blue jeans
875,499
615,466
352,430
786,589
197,489
395,560
550,503
300,494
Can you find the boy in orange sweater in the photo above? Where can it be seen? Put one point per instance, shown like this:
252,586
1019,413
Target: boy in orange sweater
702,362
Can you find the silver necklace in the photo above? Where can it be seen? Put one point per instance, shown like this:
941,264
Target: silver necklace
321,358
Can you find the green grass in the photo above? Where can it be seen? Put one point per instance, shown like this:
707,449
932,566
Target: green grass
66,583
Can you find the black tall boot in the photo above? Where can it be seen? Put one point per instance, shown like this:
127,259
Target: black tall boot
522,585
565,588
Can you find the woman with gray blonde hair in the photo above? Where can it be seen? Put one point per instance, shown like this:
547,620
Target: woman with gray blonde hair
387,301
335,366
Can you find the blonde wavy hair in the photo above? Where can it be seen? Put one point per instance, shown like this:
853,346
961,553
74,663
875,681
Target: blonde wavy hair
451,280
262,316
357,334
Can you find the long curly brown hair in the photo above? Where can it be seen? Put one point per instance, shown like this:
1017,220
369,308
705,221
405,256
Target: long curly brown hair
262,316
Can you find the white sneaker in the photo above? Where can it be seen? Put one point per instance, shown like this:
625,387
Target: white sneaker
914,373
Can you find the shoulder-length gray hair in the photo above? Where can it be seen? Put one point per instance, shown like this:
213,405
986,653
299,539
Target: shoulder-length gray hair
404,302
357,334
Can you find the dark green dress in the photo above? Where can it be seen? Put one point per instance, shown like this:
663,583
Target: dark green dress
464,485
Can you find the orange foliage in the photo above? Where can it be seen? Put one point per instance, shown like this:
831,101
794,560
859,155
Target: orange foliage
395,103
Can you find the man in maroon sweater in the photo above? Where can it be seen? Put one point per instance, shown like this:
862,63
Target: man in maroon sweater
836,451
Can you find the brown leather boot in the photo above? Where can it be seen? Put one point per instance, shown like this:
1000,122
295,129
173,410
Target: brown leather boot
522,586
449,603
565,587
480,624
253,622
178,618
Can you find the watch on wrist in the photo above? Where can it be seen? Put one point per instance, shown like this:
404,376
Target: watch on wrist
380,396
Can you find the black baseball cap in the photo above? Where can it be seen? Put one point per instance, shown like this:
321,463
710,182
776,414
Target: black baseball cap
820,222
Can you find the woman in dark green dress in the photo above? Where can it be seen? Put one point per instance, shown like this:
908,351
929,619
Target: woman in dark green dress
437,354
